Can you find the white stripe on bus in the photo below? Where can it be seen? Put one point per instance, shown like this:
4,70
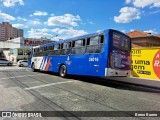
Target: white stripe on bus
42,62
45,64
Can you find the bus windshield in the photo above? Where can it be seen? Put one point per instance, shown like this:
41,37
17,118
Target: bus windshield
121,51
121,41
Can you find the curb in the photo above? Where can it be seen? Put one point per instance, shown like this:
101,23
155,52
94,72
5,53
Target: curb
152,83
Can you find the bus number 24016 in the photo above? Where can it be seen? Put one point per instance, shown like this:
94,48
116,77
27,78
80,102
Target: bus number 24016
92,59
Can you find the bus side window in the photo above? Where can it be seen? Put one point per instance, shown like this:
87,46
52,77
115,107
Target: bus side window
68,48
52,47
102,39
56,49
36,52
40,51
49,48
43,51
52,50
78,47
94,44
62,46
65,48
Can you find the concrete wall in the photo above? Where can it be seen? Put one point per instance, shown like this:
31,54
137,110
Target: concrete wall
15,43
11,43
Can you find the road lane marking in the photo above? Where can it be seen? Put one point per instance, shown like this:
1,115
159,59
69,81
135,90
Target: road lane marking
19,76
40,86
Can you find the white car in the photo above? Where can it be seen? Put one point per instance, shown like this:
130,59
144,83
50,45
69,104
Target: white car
3,61
22,63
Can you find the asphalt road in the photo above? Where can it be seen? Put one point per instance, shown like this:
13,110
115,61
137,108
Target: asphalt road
23,90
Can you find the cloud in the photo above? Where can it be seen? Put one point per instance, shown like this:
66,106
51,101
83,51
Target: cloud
127,14
19,26
63,33
21,19
65,20
52,14
124,31
70,32
152,31
6,16
34,22
128,1
90,22
98,31
39,13
11,3
37,33
157,4
131,30
154,12
144,3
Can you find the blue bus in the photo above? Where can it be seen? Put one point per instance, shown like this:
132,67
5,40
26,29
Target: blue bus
106,53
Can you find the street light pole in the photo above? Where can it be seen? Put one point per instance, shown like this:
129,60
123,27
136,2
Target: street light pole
54,36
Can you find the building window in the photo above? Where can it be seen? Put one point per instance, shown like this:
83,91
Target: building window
26,51
12,51
20,51
150,44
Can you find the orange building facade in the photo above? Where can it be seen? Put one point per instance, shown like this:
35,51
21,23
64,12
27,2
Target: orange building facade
142,39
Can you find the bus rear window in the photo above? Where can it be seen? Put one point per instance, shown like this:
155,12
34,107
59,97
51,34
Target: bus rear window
121,41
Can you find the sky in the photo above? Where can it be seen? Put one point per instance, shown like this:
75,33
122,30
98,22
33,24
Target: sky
70,18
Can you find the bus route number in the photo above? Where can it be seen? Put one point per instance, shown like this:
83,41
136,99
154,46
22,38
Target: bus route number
92,59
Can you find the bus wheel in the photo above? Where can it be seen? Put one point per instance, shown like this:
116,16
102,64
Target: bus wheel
63,71
33,67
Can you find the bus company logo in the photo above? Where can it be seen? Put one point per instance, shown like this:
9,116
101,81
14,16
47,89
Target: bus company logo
68,58
68,61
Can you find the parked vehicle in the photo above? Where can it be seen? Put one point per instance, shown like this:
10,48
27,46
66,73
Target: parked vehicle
3,61
22,63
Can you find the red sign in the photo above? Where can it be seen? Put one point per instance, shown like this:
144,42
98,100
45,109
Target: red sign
156,64
32,42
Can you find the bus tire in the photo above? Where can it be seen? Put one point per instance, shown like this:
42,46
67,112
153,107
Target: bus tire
33,67
63,71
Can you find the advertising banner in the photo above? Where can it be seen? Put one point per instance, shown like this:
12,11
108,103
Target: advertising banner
146,63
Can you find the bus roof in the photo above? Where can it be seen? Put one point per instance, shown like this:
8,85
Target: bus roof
76,38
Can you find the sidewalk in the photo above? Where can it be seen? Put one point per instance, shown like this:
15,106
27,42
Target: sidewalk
139,81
